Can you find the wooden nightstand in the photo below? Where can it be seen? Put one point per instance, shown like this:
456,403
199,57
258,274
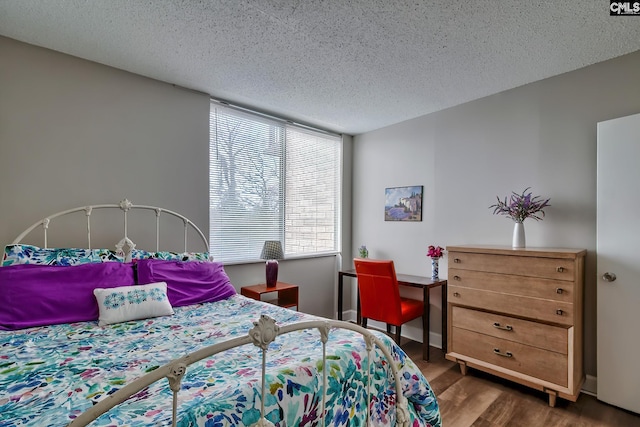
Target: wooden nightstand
287,294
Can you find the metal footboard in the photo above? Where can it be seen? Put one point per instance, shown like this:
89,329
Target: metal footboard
261,335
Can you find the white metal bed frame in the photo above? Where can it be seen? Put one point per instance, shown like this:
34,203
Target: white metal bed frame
261,335
125,246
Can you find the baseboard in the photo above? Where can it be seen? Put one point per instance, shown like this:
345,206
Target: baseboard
349,316
411,332
590,386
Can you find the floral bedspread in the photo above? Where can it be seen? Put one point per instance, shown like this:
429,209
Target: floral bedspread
48,375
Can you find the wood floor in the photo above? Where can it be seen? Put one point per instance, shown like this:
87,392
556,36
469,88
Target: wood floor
482,400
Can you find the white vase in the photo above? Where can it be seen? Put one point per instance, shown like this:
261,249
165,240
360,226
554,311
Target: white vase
518,235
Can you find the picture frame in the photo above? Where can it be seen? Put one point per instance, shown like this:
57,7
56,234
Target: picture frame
403,203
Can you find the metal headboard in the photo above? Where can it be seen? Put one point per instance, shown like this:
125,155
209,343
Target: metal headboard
125,245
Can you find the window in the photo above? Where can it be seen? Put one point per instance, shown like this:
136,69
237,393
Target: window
271,180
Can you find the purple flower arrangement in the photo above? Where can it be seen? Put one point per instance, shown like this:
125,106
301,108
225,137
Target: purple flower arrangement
521,206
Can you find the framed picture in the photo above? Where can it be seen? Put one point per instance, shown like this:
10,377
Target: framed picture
403,203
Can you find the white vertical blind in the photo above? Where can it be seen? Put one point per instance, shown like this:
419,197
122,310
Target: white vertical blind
271,180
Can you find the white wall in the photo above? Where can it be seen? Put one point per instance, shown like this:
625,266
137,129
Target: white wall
542,135
74,132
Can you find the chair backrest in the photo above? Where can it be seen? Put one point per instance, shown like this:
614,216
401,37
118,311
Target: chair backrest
378,288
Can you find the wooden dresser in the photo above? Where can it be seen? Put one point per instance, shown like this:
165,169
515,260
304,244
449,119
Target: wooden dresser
518,314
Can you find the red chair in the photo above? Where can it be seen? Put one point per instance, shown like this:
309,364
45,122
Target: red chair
380,297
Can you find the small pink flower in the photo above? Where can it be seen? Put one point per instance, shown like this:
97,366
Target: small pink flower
358,359
244,372
89,373
435,251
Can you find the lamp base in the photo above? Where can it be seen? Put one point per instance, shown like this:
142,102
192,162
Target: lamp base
271,268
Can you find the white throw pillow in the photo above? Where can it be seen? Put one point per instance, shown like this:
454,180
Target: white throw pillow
132,302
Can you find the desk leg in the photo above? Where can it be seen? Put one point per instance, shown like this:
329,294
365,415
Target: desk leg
445,309
340,288
425,324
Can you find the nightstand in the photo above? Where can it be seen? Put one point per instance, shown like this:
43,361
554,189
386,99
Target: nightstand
287,294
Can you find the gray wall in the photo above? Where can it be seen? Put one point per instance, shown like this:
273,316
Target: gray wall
74,132
542,135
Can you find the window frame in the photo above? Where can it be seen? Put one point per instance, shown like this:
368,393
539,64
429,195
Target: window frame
337,171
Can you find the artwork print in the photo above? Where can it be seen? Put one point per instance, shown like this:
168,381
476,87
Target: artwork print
403,203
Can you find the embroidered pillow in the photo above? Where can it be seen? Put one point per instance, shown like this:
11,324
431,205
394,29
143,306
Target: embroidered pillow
29,254
37,295
132,303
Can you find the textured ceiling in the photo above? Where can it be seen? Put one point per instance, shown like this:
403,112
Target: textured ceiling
348,66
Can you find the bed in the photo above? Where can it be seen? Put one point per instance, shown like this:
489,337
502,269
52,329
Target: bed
197,354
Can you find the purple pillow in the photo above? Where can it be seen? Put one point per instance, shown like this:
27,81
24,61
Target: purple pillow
188,283
37,295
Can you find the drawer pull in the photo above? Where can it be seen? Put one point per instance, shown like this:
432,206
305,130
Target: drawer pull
559,290
499,353
457,278
560,269
456,294
559,312
457,260
504,328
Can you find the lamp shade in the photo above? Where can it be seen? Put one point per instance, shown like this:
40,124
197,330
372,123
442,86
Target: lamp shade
272,249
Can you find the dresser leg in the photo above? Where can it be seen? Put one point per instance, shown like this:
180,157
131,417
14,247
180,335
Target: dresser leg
552,397
463,367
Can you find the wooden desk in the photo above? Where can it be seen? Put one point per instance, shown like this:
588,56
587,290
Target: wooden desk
425,283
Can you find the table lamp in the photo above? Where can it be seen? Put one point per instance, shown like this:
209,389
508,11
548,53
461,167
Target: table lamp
272,252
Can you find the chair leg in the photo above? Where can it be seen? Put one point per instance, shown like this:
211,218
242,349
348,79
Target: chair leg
364,322
388,328
398,336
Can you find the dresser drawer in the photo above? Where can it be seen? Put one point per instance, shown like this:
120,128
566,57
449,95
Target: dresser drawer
532,308
543,364
546,268
540,335
557,290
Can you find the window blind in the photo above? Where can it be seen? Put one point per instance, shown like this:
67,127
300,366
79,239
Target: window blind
271,180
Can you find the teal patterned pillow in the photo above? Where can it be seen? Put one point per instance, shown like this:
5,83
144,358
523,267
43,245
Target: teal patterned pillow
29,254
171,256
